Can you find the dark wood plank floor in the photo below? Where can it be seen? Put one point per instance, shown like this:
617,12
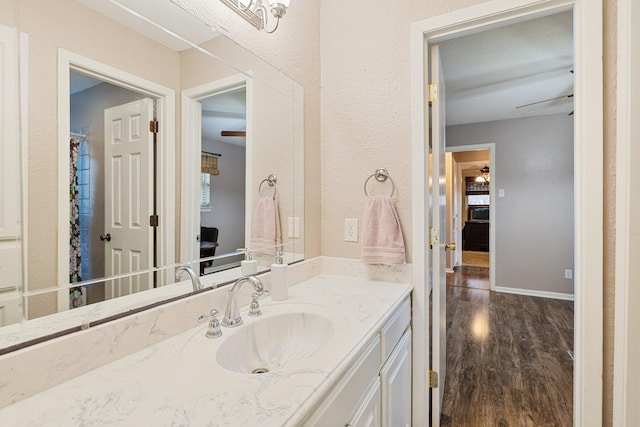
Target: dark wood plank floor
507,360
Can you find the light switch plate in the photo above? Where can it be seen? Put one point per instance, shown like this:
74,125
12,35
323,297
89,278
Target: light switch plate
294,227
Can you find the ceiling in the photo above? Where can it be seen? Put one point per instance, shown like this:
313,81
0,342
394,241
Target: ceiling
489,74
168,15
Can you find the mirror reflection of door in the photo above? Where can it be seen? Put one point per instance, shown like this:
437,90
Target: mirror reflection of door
109,184
223,167
127,238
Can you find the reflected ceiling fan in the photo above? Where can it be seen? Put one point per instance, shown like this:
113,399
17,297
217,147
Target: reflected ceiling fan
549,99
233,133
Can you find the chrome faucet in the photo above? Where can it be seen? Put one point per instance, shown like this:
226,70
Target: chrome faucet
195,280
232,314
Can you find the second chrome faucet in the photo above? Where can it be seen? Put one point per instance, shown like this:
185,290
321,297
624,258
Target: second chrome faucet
232,314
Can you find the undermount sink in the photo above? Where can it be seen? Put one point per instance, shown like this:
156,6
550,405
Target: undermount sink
270,344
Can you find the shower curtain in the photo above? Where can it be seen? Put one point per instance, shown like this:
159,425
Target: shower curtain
77,295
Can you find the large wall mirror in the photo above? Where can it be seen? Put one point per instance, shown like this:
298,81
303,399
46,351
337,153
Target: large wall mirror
147,141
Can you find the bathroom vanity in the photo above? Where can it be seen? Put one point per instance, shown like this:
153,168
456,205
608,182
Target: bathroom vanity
337,352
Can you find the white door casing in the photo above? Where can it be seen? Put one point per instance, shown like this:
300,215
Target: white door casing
128,164
438,226
626,375
491,147
588,184
10,173
191,156
165,197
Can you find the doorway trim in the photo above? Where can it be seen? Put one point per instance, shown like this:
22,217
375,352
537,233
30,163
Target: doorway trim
165,172
626,388
192,132
491,146
588,180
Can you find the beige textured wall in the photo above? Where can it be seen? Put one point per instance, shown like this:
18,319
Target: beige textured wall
366,107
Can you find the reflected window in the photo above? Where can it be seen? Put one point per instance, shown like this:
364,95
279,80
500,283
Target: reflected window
205,190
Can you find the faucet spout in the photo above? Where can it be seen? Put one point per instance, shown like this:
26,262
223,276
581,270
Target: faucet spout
232,314
195,280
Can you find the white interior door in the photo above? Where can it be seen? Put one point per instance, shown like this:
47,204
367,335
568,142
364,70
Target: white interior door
128,196
438,226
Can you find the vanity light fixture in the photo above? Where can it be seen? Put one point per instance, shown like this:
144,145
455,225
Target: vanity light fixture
255,12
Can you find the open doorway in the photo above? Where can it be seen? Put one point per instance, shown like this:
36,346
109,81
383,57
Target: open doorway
469,206
111,177
223,178
497,94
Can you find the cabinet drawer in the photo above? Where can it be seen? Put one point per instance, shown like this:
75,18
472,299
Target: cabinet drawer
395,327
338,408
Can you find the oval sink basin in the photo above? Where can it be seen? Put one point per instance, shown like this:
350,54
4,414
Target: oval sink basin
272,343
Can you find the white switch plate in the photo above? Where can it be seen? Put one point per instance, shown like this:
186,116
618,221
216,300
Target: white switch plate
351,229
501,192
294,227
568,274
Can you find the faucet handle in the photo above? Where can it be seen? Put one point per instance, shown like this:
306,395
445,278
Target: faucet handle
212,314
254,308
213,330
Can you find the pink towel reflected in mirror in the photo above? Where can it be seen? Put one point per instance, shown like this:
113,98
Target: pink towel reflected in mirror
265,227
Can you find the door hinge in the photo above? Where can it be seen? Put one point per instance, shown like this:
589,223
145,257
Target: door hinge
433,236
433,379
154,126
433,92
154,220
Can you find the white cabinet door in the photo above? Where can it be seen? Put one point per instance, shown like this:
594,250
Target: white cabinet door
338,408
368,412
396,385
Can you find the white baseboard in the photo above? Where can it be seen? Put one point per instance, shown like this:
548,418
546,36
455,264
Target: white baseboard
450,271
532,293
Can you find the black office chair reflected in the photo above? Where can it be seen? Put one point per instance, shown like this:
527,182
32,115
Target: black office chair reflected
208,245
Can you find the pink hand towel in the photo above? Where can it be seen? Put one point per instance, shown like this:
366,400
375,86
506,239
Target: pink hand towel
382,241
265,228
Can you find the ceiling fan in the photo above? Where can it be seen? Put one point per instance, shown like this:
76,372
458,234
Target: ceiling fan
233,133
549,99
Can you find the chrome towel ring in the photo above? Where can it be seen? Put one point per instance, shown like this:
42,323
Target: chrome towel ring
272,180
381,175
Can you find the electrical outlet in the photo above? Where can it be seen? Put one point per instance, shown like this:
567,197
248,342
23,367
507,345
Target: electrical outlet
351,229
568,274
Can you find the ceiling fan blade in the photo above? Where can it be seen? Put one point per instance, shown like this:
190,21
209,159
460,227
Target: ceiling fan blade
233,133
546,100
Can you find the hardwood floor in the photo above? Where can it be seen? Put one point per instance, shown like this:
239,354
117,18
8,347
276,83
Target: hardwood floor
475,258
507,360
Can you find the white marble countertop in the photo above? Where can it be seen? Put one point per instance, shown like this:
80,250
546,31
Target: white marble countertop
178,382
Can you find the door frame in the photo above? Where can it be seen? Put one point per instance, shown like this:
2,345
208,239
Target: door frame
191,127
626,389
491,146
165,172
588,181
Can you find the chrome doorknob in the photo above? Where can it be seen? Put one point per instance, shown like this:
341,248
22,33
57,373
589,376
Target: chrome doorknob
450,246
106,237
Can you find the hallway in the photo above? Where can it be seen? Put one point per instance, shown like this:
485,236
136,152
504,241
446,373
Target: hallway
507,356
